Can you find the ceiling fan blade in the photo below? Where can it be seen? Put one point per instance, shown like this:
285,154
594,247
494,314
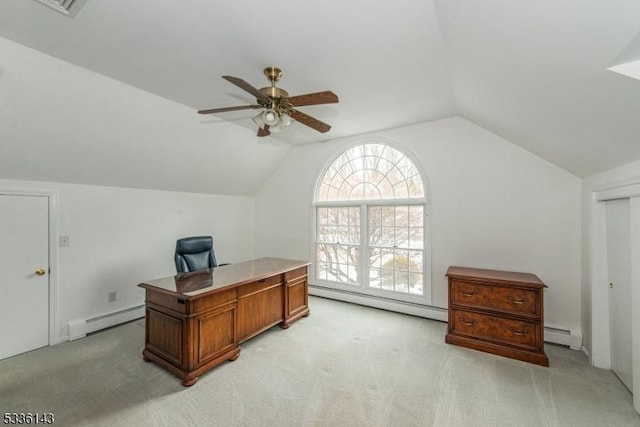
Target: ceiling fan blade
245,86
222,110
264,131
314,123
326,97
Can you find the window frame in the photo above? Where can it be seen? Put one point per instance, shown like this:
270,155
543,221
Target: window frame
363,288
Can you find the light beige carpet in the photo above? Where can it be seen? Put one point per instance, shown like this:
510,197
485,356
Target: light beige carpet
345,365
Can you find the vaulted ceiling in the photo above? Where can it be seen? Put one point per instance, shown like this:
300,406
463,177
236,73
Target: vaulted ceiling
535,73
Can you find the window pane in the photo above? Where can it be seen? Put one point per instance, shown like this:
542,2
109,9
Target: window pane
415,284
416,216
386,279
416,238
375,216
375,258
375,278
322,234
415,261
354,216
402,216
401,190
402,237
388,215
401,281
388,236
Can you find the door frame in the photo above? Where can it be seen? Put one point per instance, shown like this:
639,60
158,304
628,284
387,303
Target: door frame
52,197
601,340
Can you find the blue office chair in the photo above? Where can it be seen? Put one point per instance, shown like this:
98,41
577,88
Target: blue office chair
194,253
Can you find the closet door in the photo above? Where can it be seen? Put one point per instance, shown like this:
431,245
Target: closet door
619,267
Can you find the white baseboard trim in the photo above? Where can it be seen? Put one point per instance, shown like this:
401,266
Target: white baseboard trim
552,334
79,328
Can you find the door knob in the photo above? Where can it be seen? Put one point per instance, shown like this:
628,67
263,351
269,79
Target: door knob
40,272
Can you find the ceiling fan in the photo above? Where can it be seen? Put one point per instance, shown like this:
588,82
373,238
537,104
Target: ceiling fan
279,108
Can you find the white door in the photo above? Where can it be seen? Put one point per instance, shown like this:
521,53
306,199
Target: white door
24,273
619,267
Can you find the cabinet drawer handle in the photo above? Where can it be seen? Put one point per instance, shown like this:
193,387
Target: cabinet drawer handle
517,332
467,322
467,293
518,301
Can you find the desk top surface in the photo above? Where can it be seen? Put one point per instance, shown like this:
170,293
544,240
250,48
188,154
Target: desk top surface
221,277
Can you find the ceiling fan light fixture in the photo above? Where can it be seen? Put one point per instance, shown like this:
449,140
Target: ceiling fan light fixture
285,120
259,121
270,117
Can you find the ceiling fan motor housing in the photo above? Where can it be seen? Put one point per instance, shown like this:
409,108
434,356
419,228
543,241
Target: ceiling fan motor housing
274,92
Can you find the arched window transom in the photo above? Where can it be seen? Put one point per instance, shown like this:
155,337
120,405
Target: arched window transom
370,172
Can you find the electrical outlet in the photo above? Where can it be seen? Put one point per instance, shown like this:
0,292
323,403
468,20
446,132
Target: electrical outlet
64,240
113,296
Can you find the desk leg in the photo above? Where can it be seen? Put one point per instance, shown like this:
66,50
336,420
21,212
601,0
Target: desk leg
189,382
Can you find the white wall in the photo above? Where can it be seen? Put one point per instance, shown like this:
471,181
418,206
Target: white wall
120,237
494,205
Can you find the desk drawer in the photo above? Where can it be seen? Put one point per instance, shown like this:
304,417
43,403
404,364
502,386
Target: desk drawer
212,301
494,297
167,301
260,285
296,275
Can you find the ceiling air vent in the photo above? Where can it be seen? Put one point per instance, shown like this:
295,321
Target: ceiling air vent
67,7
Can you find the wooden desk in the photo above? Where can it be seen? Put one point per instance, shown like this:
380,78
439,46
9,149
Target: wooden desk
195,321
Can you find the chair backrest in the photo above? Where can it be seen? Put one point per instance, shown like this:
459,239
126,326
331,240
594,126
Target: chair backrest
194,253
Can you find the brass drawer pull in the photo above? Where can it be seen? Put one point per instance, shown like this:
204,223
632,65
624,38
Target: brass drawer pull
517,332
468,323
467,293
518,301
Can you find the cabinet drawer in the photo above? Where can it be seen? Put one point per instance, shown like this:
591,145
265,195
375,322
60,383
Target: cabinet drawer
496,329
494,297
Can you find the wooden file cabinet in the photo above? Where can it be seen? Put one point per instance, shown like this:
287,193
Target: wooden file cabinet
499,312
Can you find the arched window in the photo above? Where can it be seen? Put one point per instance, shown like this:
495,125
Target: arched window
370,224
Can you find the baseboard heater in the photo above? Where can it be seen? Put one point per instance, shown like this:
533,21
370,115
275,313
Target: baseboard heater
420,310
552,334
79,328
